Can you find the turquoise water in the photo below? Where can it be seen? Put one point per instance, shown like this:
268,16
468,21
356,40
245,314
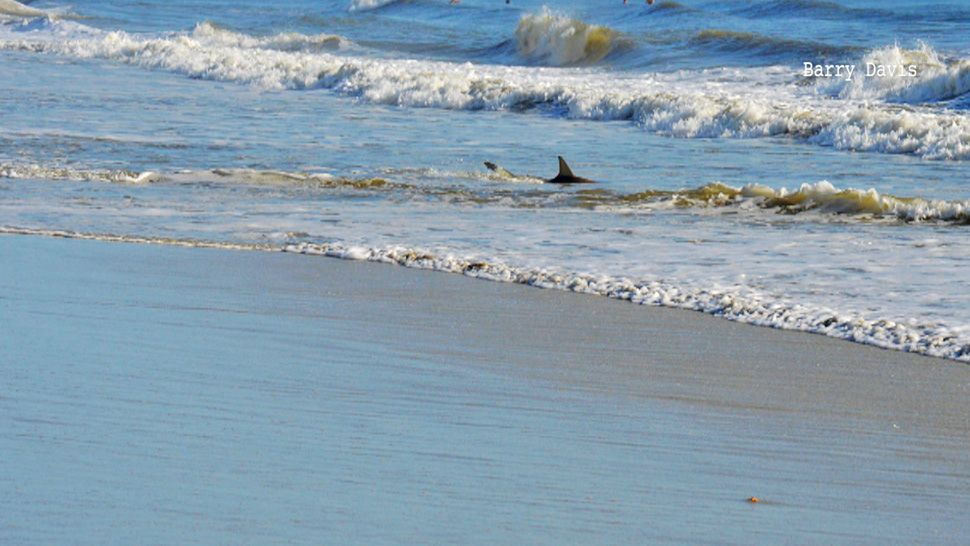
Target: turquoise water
730,182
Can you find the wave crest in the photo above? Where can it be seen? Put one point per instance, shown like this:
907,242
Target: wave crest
16,9
366,5
933,78
825,198
286,41
821,198
558,40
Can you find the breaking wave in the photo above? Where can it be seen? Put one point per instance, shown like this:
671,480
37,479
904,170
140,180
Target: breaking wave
751,308
558,40
821,198
365,5
895,74
287,41
713,103
16,9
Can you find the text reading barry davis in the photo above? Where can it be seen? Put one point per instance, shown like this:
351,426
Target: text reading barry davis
873,70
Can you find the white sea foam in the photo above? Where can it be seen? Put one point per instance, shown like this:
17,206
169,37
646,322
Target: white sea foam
933,77
287,41
715,103
41,172
752,308
232,175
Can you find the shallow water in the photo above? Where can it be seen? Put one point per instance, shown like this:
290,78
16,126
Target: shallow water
365,126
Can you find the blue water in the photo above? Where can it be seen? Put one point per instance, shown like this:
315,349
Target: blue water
730,182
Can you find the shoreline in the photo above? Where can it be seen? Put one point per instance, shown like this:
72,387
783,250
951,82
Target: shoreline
883,334
203,395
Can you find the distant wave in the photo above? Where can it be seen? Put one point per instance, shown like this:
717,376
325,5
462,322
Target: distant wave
796,7
558,40
669,6
365,5
16,9
762,46
287,41
715,103
751,308
829,10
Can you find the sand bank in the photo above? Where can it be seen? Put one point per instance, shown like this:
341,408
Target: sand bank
172,395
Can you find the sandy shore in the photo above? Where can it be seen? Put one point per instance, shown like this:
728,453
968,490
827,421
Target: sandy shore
170,395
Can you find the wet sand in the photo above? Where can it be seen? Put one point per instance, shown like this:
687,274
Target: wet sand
160,395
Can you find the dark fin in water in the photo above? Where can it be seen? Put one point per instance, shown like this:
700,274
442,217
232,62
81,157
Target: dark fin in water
566,175
564,170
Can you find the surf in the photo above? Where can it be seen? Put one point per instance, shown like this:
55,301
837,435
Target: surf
709,103
899,75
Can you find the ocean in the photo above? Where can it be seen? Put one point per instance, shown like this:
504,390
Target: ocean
740,171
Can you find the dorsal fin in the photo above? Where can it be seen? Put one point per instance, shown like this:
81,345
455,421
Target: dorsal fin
564,169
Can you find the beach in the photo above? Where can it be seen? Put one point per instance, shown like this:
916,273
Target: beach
159,394
422,272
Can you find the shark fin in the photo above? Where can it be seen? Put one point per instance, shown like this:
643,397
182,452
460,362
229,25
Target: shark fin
564,169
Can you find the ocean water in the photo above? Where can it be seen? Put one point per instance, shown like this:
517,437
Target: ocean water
729,180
